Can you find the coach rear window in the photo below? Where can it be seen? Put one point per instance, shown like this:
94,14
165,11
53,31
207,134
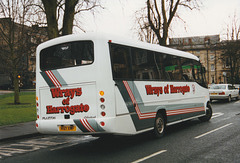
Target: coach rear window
67,55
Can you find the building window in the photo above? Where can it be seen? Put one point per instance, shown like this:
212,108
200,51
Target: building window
33,68
213,79
227,63
212,57
212,67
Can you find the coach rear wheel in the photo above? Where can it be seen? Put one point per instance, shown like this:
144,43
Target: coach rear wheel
159,126
208,115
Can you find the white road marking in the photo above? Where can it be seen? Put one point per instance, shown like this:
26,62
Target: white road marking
72,143
35,144
5,154
209,132
147,157
218,114
64,146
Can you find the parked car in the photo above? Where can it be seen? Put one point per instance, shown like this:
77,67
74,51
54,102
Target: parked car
237,86
223,91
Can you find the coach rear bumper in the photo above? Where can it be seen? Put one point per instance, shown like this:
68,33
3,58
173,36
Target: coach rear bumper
76,126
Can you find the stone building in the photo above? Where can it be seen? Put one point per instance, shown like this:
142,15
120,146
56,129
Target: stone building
36,36
209,50
13,36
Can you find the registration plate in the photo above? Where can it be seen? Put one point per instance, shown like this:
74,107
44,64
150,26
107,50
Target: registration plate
213,93
67,128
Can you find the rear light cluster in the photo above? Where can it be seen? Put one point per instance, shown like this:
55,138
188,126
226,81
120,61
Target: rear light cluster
102,100
222,93
102,106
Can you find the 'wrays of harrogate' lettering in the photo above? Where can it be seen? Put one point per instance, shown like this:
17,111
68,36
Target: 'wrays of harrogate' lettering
58,93
179,89
67,109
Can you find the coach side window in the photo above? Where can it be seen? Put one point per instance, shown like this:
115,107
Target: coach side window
160,64
188,70
199,74
142,64
120,58
173,67
148,65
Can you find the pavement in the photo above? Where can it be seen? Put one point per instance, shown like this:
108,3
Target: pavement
2,92
17,131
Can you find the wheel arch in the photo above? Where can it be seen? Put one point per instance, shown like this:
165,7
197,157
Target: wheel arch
162,110
208,103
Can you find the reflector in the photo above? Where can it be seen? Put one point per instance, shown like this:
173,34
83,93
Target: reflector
102,106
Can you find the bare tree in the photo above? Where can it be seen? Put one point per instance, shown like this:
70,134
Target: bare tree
62,13
233,28
160,14
51,15
14,39
231,54
143,29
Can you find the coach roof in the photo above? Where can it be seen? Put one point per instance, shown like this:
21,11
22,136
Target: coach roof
117,40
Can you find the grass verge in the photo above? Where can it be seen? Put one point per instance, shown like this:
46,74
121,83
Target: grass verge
24,112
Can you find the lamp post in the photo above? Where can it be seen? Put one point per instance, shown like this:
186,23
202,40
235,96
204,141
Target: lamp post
215,62
207,43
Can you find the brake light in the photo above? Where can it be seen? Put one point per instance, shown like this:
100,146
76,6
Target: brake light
102,123
103,113
222,93
102,100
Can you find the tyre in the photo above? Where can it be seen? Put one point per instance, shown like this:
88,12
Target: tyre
159,125
208,115
229,98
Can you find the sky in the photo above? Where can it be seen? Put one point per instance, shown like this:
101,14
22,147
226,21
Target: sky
119,15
